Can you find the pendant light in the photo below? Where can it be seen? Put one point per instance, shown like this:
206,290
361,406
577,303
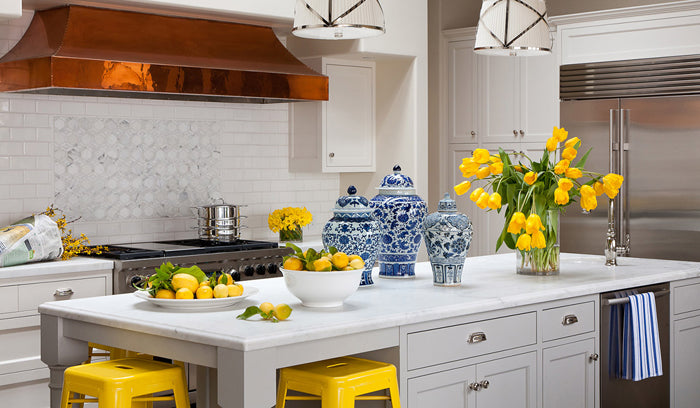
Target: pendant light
513,27
338,19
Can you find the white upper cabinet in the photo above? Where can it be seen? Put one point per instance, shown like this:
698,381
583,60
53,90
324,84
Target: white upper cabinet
337,135
498,99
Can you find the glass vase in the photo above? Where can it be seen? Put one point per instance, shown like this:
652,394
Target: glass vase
542,261
292,235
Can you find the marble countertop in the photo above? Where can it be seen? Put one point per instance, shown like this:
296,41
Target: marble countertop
489,283
58,267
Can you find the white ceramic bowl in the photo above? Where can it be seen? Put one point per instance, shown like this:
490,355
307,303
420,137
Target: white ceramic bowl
322,289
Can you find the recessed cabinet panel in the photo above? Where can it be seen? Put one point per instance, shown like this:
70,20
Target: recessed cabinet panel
568,320
471,339
462,92
32,295
539,93
501,79
568,375
8,299
686,391
448,389
686,298
349,117
511,382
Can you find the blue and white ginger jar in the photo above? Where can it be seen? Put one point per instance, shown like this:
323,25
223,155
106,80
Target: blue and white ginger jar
448,235
354,230
401,213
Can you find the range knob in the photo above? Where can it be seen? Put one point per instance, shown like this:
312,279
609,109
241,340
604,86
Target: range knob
272,268
236,275
248,270
260,269
136,280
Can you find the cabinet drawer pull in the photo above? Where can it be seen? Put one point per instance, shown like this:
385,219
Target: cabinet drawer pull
522,133
485,384
473,133
475,386
515,132
63,292
331,154
477,337
593,357
569,319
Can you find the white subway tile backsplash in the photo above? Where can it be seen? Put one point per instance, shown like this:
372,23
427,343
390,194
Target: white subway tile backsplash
23,191
20,105
73,108
27,134
48,106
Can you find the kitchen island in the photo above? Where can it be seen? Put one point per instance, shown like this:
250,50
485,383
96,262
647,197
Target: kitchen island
240,357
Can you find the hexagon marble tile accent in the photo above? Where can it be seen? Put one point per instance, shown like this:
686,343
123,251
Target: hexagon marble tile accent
121,168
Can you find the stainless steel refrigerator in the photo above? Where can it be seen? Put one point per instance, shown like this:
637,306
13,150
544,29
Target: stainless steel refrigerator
642,119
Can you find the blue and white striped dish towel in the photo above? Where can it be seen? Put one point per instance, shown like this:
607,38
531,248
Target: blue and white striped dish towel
635,352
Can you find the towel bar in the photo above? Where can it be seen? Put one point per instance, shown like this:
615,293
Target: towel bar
619,301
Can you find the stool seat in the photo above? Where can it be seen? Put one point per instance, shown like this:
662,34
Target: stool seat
118,383
338,382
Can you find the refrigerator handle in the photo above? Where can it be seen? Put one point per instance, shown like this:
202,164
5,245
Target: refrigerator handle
623,220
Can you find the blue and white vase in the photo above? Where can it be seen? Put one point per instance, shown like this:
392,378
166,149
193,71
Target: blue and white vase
448,235
401,213
354,230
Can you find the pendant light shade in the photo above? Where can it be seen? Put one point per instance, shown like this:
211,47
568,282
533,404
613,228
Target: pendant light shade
338,19
513,27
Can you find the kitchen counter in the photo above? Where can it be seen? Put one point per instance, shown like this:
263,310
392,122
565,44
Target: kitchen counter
369,320
57,267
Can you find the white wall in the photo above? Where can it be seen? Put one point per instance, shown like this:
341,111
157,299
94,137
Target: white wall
251,169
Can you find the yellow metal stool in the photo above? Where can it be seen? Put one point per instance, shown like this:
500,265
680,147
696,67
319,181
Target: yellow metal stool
118,383
338,382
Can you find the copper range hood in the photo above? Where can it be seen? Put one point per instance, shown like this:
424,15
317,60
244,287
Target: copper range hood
76,50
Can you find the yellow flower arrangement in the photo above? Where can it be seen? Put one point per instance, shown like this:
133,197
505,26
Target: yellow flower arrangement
288,221
540,189
72,246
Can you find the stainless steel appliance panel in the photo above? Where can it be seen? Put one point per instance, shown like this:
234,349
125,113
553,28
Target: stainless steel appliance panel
649,393
590,121
662,176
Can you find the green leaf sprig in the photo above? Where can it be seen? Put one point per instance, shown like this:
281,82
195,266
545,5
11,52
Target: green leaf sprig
311,255
251,311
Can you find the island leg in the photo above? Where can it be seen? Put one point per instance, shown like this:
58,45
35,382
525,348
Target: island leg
246,378
59,353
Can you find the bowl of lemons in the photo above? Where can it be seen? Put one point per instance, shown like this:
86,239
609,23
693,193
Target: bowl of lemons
322,278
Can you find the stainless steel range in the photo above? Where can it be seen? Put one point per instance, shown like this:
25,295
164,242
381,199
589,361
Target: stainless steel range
243,259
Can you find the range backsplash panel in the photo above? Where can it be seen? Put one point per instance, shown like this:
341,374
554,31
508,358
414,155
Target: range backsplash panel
112,169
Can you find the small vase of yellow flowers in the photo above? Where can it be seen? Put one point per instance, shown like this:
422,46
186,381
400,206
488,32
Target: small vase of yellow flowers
288,222
532,194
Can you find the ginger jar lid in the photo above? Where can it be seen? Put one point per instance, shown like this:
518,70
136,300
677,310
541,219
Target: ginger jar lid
397,184
447,204
352,203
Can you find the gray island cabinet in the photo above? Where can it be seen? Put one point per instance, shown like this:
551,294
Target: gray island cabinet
498,340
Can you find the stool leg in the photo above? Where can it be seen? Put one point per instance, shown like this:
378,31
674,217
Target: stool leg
394,393
65,395
180,392
334,397
282,391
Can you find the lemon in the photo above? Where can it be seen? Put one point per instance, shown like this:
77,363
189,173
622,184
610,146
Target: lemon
234,290
340,260
204,283
228,276
184,293
322,264
184,280
165,294
220,291
293,264
357,263
282,311
351,257
266,307
204,292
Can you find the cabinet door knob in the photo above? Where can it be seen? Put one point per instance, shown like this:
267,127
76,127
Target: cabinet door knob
473,133
331,154
63,292
515,132
522,133
477,337
569,319
593,357
475,386
485,384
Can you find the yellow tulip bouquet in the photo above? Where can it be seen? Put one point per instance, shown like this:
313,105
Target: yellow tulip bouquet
288,221
533,193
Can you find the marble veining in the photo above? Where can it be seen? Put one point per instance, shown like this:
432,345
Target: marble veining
489,284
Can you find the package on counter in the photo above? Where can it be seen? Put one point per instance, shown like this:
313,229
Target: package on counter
32,239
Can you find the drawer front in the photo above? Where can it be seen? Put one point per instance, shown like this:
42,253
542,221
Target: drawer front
686,298
469,340
568,320
20,340
8,299
31,296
